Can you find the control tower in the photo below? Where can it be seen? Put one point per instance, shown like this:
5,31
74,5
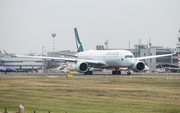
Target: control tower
178,43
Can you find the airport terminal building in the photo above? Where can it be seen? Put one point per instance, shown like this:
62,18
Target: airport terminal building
32,64
141,50
21,64
156,50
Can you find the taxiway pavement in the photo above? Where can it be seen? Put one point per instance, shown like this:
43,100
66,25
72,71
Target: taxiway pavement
17,75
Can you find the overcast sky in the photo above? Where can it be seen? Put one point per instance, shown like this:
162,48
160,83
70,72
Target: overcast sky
26,25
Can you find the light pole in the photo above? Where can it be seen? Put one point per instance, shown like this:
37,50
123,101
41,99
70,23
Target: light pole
53,35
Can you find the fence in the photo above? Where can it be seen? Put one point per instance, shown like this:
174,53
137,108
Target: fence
21,111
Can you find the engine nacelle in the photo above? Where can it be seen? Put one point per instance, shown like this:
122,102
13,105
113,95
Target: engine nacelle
138,66
81,67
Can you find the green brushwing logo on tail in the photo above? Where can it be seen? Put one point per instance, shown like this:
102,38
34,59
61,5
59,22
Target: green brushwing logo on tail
78,42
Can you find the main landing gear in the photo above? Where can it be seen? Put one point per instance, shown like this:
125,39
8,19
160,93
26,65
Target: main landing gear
129,72
116,72
89,72
119,72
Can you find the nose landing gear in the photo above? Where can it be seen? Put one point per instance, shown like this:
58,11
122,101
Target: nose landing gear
129,72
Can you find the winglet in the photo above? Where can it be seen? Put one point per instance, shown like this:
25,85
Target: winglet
9,54
175,52
5,52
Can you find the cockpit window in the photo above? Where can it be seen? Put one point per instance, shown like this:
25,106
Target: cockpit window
129,56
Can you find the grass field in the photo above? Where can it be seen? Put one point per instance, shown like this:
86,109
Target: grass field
90,95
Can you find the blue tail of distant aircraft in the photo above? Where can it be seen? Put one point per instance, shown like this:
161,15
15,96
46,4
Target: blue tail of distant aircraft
78,42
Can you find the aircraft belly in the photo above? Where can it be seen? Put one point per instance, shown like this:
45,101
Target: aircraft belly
118,63
113,63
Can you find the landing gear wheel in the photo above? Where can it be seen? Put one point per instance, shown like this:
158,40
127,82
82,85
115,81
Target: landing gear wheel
88,73
116,72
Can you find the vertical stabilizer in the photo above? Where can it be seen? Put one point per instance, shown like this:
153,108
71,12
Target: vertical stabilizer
178,60
78,42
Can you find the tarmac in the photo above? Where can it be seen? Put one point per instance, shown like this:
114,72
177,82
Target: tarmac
79,75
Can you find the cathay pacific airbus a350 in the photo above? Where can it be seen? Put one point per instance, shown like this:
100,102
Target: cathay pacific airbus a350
104,59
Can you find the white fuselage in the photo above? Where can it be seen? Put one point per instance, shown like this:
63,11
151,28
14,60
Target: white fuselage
111,58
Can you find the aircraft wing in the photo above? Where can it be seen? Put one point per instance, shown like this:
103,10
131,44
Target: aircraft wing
41,57
155,56
93,62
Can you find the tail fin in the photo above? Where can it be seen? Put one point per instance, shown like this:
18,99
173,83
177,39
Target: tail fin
78,42
178,60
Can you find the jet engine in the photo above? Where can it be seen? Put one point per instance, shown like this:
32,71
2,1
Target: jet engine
138,66
81,67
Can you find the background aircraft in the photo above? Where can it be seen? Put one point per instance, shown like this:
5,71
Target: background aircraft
7,69
168,68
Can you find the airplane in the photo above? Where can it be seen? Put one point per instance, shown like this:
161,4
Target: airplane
7,69
80,49
104,59
61,68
